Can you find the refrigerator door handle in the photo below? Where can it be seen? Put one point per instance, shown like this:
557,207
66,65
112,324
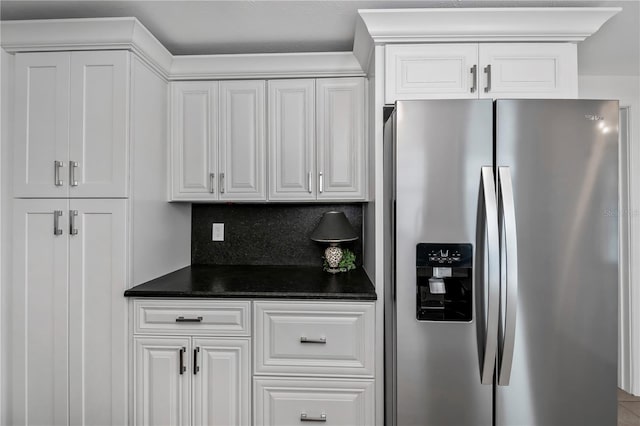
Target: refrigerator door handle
510,252
489,221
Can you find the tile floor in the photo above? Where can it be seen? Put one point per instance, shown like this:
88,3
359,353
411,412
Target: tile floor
628,409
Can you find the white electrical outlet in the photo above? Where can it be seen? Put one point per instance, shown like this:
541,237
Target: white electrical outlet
217,232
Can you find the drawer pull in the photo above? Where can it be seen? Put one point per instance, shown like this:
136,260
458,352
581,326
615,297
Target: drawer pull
322,340
183,319
305,418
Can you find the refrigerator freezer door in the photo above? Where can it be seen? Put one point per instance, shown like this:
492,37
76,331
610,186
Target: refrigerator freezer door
440,148
562,155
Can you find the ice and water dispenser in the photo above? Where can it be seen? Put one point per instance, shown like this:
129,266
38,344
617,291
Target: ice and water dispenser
444,284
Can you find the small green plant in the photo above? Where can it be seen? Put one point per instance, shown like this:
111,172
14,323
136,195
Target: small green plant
347,263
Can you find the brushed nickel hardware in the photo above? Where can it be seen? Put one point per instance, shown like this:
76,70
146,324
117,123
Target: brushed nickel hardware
212,188
321,183
73,165
56,173
56,222
474,78
487,70
72,222
305,418
222,183
309,182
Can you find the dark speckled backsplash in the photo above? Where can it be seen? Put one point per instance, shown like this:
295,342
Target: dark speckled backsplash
265,234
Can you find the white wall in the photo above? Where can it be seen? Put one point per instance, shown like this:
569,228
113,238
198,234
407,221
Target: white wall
627,90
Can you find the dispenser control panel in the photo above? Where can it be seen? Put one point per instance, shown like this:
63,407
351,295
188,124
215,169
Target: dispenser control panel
444,254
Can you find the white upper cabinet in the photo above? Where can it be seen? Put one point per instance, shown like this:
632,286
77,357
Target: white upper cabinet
340,139
98,148
194,126
316,144
434,71
242,140
528,70
292,159
480,70
71,124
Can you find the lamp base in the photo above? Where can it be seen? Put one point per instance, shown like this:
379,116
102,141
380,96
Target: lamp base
333,256
333,270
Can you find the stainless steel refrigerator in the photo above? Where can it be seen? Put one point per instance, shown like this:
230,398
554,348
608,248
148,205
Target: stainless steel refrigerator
501,242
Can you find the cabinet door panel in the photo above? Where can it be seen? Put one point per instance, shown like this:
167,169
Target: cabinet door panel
194,122
98,139
292,140
41,124
242,140
39,335
97,313
162,394
529,70
430,71
340,141
223,382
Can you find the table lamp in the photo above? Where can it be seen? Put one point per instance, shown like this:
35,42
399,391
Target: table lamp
334,228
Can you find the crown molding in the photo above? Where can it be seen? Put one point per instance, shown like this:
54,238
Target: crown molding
86,34
130,34
504,24
267,65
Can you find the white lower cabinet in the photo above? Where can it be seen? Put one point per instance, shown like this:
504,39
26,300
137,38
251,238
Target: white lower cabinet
292,401
313,362
193,379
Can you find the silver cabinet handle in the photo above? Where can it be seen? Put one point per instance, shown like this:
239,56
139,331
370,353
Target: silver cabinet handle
321,183
488,222
322,340
305,418
72,222
309,182
222,183
212,187
183,319
487,70
56,173
57,214
474,78
508,220
73,165
181,366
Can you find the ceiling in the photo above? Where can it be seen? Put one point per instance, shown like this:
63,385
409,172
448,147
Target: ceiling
188,27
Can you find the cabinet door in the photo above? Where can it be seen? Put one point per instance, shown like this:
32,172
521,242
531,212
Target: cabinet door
222,382
97,312
41,123
340,139
292,157
529,70
194,140
98,138
40,308
242,140
162,381
430,71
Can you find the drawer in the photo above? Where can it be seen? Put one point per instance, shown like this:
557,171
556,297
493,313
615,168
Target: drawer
192,317
314,339
282,402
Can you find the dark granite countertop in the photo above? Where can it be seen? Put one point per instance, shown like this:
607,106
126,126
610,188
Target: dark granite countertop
280,282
